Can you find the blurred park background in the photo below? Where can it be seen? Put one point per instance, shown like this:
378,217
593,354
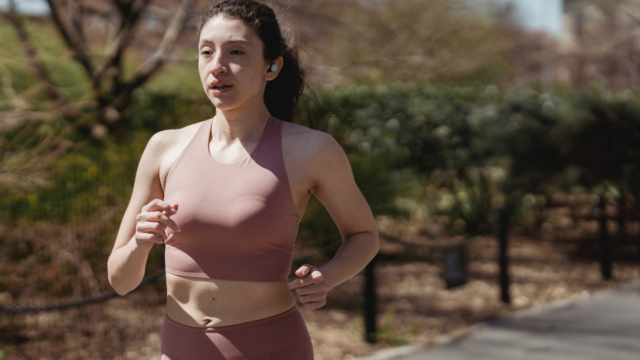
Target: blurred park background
497,142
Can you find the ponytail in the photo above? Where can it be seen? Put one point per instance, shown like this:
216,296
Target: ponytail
282,93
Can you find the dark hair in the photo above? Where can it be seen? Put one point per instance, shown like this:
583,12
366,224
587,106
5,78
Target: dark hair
282,93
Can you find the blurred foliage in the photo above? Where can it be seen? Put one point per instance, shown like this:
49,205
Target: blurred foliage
577,142
404,135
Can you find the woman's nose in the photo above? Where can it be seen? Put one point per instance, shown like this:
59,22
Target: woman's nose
217,66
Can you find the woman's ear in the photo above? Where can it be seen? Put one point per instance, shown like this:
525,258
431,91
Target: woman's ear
270,75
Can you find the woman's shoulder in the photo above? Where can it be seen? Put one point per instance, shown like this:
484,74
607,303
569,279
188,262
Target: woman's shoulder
307,140
310,148
166,146
171,137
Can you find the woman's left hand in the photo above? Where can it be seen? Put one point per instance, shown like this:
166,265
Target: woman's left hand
310,287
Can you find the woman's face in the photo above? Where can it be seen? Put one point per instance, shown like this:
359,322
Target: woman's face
231,54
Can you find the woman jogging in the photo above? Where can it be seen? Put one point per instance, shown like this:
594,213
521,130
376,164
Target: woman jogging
226,195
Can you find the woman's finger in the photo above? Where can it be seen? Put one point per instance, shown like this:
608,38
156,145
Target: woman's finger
312,276
153,227
158,216
312,289
301,282
149,237
304,270
312,298
157,204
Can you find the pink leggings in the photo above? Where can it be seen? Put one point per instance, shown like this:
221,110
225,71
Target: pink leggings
280,337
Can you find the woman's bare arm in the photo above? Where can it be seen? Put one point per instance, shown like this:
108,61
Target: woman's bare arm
336,189
137,234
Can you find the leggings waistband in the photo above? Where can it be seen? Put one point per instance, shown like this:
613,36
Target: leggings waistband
218,329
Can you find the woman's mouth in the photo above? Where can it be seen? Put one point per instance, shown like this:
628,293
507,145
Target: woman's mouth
221,88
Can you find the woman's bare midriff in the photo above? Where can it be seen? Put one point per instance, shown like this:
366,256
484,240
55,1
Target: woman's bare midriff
200,302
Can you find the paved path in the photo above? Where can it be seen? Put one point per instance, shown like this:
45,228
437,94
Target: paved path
603,326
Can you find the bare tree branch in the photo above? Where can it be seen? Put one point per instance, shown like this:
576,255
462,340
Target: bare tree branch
76,11
149,67
74,42
8,90
131,12
33,58
114,51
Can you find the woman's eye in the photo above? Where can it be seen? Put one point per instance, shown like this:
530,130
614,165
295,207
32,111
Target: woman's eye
206,52
237,52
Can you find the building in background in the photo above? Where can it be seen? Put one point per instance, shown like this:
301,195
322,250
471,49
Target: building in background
542,16
546,16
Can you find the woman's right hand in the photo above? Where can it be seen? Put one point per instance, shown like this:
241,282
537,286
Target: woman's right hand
152,222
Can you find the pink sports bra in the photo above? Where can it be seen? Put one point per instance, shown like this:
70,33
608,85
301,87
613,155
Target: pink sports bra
238,221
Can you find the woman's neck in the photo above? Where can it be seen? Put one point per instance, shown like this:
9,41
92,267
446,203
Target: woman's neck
229,125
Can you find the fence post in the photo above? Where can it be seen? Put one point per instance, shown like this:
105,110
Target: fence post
605,244
636,198
622,214
503,261
370,302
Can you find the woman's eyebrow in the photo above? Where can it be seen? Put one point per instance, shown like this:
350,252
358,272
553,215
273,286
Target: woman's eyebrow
233,41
